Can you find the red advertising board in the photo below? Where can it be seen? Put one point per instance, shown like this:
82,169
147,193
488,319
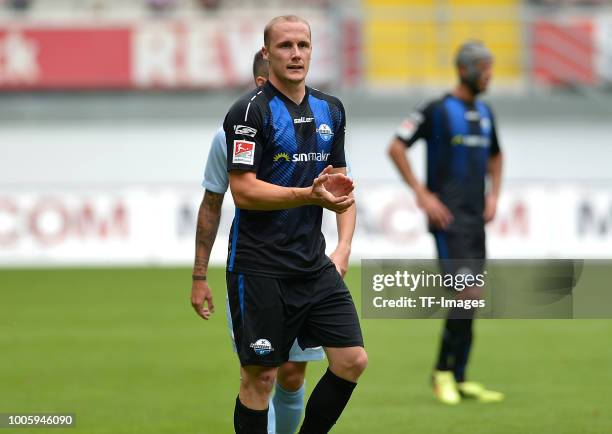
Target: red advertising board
564,52
149,54
65,58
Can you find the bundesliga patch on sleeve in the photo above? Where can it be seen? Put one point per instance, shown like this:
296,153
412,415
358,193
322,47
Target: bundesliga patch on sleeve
244,152
410,125
406,129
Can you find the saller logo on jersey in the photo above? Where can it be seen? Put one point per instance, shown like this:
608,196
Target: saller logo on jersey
262,347
244,130
303,120
244,152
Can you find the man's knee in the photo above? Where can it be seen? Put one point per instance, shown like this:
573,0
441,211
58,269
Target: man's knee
258,378
291,375
360,361
348,363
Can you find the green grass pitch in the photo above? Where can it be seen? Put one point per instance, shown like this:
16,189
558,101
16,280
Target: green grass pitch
123,349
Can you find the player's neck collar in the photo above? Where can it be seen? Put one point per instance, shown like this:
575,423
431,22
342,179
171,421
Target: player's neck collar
466,103
285,98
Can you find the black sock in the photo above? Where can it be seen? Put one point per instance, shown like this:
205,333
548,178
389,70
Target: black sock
326,403
456,342
446,355
462,349
247,421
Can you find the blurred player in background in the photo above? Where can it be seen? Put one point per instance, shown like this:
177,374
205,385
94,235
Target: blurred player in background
462,150
285,408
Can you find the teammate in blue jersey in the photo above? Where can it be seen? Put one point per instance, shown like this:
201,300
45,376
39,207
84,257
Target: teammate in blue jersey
285,409
462,151
286,163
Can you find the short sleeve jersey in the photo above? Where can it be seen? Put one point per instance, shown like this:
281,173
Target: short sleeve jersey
215,173
460,139
286,144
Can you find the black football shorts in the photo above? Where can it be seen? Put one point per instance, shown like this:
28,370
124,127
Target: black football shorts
269,313
461,252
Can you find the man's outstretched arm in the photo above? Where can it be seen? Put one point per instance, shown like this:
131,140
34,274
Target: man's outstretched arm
209,216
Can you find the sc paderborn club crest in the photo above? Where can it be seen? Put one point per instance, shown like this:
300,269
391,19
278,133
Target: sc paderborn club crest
262,347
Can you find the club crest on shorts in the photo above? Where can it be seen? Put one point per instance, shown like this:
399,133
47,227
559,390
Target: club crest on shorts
325,132
262,347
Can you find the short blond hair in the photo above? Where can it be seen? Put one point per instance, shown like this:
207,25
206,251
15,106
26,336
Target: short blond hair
283,18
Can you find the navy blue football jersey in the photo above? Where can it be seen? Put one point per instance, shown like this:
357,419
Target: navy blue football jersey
460,139
286,144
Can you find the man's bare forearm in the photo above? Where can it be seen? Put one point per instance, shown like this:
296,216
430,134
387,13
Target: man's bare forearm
209,216
346,226
346,221
495,173
255,194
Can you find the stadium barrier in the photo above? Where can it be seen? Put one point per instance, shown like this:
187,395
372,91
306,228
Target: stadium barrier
142,226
